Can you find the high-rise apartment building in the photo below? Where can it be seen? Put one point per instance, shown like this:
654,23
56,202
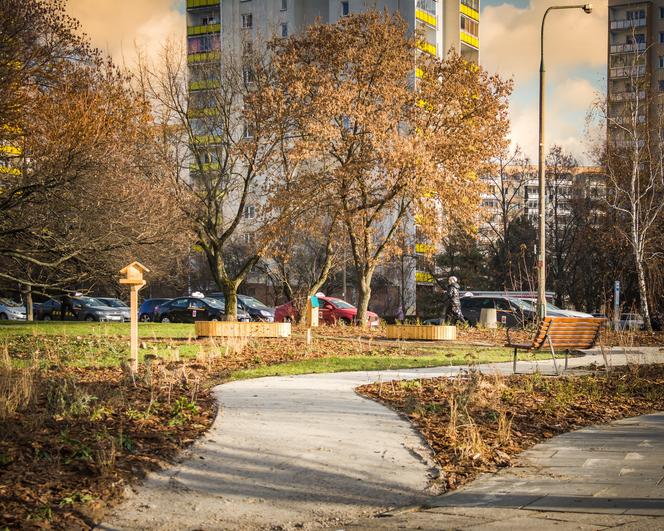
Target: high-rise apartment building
219,27
635,63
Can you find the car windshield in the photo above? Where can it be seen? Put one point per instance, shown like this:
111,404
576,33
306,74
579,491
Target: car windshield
342,304
89,301
114,303
252,303
9,302
215,303
523,305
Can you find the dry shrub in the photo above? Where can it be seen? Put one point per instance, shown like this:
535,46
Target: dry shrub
17,385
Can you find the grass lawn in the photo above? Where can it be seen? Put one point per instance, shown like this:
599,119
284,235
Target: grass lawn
453,355
80,328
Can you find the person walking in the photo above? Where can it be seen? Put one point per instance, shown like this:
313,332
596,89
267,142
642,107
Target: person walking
453,313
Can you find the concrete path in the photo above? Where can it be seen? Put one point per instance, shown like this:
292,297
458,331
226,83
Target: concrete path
596,478
296,452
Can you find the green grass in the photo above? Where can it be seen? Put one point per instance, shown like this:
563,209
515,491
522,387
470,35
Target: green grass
451,356
78,328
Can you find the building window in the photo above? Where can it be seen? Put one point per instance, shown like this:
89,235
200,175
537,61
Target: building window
284,29
284,5
248,131
247,47
248,237
247,20
661,12
636,15
470,26
661,85
207,21
345,123
248,75
661,61
249,212
345,9
661,37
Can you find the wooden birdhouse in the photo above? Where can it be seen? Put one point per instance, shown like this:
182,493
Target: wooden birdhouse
133,274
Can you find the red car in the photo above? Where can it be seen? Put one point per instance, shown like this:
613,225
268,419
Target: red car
331,311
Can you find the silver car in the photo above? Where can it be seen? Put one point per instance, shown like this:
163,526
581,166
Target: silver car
10,310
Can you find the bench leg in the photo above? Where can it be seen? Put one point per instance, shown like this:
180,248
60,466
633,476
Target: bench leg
566,356
514,363
553,356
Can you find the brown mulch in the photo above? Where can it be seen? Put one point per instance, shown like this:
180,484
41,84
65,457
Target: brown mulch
478,423
84,433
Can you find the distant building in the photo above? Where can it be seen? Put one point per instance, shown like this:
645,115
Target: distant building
635,68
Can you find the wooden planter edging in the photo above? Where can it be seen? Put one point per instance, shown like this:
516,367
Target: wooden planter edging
233,329
422,332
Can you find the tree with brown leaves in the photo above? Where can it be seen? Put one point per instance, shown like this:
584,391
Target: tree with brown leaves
390,147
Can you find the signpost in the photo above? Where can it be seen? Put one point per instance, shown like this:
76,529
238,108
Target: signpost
132,276
616,304
311,315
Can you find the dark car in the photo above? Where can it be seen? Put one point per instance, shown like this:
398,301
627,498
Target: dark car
118,305
78,308
331,311
510,311
256,310
191,309
149,309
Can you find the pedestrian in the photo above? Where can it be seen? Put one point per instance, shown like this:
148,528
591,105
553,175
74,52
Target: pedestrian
453,314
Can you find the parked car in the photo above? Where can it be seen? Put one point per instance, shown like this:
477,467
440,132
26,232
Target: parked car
191,309
554,311
79,308
117,304
11,310
631,321
149,308
331,311
510,311
256,310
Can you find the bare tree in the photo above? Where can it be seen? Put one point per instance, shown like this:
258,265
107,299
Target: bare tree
633,156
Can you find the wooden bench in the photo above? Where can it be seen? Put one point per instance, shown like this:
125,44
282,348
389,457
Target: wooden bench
561,333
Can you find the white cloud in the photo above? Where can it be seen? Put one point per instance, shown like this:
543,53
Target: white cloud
575,50
118,27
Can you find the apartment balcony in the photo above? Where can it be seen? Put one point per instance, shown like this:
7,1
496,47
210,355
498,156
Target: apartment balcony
203,29
627,71
425,248
193,4
426,12
627,95
628,48
204,84
427,47
470,40
204,57
11,151
203,112
628,24
205,167
207,139
626,120
470,11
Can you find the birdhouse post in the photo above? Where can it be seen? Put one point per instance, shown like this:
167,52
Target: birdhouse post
132,276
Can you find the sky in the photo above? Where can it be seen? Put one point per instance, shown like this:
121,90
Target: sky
575,55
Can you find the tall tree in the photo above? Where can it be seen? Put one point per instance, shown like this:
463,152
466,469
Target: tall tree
78,190
238,192
391,148
633,156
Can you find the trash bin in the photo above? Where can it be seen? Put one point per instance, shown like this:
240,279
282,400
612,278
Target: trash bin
488,318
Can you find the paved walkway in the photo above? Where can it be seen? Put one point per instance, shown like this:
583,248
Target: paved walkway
299,452
596,478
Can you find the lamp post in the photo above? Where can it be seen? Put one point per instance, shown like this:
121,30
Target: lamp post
541,251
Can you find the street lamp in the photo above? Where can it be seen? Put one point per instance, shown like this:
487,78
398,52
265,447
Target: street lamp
541,251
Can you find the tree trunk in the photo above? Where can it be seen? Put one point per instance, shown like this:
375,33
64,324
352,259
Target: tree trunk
365,295
230,294
28,304
643,295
